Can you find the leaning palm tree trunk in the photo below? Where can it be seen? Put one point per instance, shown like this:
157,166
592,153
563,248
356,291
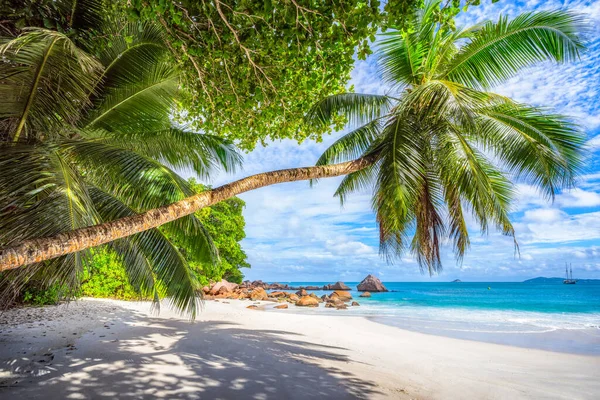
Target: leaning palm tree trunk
41,249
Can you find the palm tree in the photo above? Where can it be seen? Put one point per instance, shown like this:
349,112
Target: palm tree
440,147
444,145
85,139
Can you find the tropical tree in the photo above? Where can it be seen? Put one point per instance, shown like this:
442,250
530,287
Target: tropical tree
88,139
438,146
249,68
443,145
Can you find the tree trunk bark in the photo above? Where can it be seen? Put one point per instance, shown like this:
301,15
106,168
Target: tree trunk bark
40,249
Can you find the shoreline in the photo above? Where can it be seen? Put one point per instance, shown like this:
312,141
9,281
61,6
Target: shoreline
582,341
231,351
564,341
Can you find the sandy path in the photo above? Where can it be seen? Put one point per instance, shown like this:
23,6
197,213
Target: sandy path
108,349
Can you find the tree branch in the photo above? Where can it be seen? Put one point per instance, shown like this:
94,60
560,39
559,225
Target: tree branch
41,249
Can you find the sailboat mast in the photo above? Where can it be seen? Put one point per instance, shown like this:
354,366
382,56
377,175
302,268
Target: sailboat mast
571,271
569,274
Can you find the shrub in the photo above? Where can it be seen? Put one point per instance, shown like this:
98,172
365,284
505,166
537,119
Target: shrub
104,276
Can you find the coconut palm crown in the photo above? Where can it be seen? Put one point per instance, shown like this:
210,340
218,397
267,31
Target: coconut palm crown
445,146
89,138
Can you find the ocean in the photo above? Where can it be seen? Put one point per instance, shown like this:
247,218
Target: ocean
549,316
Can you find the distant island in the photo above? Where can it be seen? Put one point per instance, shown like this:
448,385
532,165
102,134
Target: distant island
456,281
541,279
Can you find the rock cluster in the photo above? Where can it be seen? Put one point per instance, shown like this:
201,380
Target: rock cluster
371,284
336,286
338,300
264,285
229,290
302,298
282,286
258,294
223,287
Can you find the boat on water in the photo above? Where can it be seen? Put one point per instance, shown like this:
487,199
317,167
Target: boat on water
569,280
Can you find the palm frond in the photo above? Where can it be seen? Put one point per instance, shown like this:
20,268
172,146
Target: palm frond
437,101
138,269
152,259
499,50
46,81
400,174
142,104
41,194
180,149
458,231
429,225
542,148
64,273
401,57
135,50
405,57
140,182
468,177
84,14
356,181
192,235
352,145
357,108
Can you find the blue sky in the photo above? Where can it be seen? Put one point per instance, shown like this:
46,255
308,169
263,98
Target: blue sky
295,233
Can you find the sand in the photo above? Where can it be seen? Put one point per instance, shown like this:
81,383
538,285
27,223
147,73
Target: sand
90,349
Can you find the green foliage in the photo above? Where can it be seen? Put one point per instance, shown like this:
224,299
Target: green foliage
86,139
105,276
41,296
444,147
60,15
252,68
225,223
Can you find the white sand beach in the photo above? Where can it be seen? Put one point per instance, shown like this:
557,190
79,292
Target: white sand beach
90,349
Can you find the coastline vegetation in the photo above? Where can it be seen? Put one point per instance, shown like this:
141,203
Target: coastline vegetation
104,274
106,100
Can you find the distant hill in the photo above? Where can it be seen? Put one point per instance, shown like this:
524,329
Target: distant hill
541,279
456,281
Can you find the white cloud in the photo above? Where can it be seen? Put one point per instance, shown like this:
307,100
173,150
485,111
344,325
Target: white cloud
566,228
544,215
578,198
579,254
594,143
528,196
348,248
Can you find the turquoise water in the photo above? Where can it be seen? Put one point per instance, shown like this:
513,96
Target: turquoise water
550,316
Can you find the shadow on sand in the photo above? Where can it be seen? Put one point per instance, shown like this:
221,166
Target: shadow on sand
174,359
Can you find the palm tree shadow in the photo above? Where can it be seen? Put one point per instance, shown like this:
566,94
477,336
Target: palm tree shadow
180,360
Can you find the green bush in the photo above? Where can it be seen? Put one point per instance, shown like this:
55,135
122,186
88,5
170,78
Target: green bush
40,296
104,276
